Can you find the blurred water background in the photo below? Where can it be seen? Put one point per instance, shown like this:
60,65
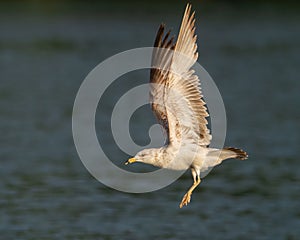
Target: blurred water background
252,51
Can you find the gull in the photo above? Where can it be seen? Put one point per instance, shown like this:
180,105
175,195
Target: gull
177,102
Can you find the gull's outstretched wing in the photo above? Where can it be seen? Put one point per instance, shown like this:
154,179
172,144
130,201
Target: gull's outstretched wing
161,62
176,96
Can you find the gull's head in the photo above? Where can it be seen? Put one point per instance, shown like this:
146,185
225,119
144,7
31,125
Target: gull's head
145,156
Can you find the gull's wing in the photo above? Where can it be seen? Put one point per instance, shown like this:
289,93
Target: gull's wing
176,97
161,62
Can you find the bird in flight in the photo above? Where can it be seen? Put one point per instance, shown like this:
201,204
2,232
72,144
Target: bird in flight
177,102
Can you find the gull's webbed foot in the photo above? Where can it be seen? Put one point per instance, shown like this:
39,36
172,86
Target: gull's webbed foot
185,200
187,197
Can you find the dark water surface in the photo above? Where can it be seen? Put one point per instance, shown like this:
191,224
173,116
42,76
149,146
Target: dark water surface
46,193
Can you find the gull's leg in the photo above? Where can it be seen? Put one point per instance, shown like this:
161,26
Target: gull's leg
187,197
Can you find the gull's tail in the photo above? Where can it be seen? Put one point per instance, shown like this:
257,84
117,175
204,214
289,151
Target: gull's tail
216,156
231,152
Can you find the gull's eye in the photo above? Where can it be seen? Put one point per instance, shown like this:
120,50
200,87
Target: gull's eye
143,155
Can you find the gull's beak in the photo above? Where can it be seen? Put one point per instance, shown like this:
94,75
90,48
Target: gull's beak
130,160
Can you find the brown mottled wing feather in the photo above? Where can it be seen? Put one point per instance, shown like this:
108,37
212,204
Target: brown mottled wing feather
161,61
175,92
